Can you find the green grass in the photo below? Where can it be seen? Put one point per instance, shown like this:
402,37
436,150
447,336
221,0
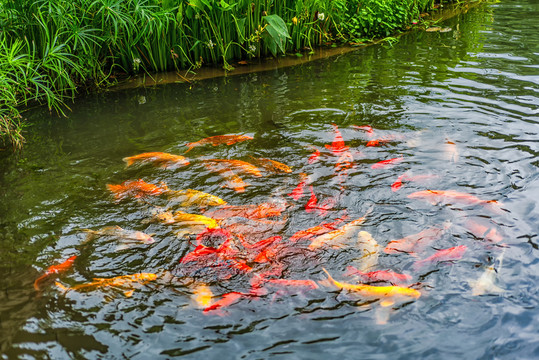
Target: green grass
49,49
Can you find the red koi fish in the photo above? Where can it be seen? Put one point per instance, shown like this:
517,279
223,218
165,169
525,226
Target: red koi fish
483,232
337,146
451,254
223,252
55,269
367,128
265,249
378,276
316,230
412,244
218,140
314,157
226,300
164,160
386,163
322,208
449,196
299,191
405,177
345,162
136,188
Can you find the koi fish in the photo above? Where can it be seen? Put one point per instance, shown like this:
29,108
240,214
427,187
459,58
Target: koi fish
124,281
251,211
299,191
218,140
405,177
136,188
190,197
183,218
213,235
272,165
314,157
339,236
265,248
453,253
483,232
237,165
448,196
316,230
165,160
416,243
386,163
233,181
322,209
55,269
337,146
226,300
345,162
126,238
223,252
388,293
254,229
202,296
367,128
377,142
296,283
368,250
485,283
451,152
378,276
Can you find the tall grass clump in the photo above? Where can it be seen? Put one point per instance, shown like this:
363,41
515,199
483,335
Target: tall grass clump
52,48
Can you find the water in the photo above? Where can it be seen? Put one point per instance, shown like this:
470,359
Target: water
459,106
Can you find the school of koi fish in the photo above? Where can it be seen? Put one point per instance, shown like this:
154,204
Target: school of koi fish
246,240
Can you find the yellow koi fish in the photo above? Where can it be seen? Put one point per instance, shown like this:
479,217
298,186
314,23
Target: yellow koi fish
388,293
123,282
183,218
164,160
190,197
202,296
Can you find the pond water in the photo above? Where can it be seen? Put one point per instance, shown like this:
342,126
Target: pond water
457,109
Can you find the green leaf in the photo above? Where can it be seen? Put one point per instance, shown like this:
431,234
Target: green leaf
278,33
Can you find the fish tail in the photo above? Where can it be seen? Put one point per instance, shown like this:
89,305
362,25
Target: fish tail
38,280
190,146
129,161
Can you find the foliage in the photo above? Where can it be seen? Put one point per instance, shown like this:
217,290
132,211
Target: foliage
50,48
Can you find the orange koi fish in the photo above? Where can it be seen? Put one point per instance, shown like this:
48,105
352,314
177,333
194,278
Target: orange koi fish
483,232
226,300
299,191
386,163
378,276
367,128
136,188
388,293
165,160
251,211
55,269
218,140
413,244
449,196
322,209
316,230
314,157
272,165
202,296
377,142
124,281
451,254
236,165
342,234
337,146
265,249
233,181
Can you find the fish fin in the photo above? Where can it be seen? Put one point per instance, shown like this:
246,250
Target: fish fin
129,161
387,303
61,286
190,146
129,293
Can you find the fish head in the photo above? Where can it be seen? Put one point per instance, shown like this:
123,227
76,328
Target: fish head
145,238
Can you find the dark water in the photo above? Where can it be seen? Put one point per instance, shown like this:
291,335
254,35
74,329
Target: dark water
459,106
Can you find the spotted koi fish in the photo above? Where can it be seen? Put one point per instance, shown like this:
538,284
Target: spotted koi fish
122,282
218,140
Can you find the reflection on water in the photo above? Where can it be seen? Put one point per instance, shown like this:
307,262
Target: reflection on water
365,135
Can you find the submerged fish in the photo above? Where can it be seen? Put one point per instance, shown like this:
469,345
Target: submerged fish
368,250
338,237
484,232
316,230
367,128
378,276
218,140
190,197
386,163
220,165
451,254
164,160
486,282
226,300
451,152
122,282
232,181
377,142
450,196
137,189
314,157
405,177
299,190
388,293
416,243
202,296
55,269
183,218
272,165
251,211
126,238
337,146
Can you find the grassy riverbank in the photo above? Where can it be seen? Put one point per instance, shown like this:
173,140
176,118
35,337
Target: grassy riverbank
49,49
